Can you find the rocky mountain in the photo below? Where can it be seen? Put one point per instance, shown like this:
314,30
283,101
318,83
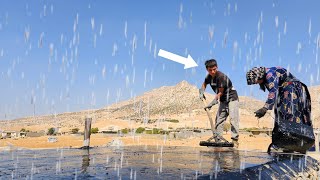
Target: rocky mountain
315,105
154,109
178,99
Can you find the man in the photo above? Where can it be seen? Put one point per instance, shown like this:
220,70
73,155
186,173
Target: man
228,97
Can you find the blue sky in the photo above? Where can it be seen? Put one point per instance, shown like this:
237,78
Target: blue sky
75,55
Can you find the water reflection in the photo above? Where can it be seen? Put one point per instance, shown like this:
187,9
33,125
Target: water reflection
223,159
85,161
138,163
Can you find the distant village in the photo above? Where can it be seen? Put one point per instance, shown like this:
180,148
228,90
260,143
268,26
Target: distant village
179,133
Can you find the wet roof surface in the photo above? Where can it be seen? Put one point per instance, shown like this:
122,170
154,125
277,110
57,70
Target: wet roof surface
135,162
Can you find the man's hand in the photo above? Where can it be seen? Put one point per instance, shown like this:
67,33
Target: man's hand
261,112
201,94
209,106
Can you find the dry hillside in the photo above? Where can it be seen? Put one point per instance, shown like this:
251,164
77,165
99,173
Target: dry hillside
152,109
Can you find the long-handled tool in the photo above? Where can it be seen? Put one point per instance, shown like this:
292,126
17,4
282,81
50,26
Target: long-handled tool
215,140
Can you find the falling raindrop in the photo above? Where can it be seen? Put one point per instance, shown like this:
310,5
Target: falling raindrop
9,72
186,52
150,45
93,99
41,40
299,67
279,39
151,75
75,26
115,69
276,21
299,46
92,79
51,47
26,34
196,174
285,28
121,159
61,39
245,38
92,23
216,170
155,51
310,26
152,158
260,173
127,81
101,28
125,29
311,80
180,22
45,10
145,77
145,34
94,40
133,75
134,43
51,9
318,74
161,153
211,32
229,7
75,174
235,47
318,41
104,71
115,49
259,25
225,38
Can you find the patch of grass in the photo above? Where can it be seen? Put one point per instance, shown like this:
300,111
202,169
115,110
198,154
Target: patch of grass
125,131
157,131
172,120
250,129
151,121
140,130
94,130
75,131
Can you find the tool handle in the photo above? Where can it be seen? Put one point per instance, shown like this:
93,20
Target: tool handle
209,116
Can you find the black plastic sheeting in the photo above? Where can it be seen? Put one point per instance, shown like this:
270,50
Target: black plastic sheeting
153,162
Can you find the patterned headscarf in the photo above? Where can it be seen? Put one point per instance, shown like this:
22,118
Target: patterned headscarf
255,74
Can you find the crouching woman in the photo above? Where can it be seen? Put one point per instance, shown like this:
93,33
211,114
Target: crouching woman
292,108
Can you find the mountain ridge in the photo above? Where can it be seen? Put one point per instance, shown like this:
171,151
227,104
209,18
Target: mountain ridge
180,102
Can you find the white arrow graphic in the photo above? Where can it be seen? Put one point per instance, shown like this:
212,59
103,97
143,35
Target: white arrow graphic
188,62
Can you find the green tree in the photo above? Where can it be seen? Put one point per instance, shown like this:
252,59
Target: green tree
94,130
51,131
155,131
75,130
23,130
140,130
125,131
